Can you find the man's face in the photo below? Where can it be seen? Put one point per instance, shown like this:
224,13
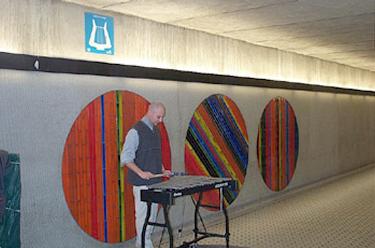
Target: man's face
157,115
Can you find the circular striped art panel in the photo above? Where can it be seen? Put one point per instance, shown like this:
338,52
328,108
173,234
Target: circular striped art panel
217,145
277,144
95,187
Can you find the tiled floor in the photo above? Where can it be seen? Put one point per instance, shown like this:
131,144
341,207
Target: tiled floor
339,214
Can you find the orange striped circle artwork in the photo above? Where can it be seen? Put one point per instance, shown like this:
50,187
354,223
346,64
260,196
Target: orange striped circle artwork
277,144
97,194
217,145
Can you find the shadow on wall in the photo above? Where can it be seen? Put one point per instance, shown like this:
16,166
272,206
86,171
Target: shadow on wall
10,192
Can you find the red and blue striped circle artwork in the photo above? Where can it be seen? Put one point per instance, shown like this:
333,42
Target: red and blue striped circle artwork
217,145
95,187
277,144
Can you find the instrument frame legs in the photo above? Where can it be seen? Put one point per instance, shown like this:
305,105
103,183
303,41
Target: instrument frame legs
199,235
168,224
146,223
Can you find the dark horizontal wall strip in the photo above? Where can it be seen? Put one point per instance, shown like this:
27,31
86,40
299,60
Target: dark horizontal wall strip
59,65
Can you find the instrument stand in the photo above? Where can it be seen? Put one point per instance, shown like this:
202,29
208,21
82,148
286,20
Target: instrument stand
198,234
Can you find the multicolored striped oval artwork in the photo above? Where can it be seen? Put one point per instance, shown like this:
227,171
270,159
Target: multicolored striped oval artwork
277,144
217,145
95,187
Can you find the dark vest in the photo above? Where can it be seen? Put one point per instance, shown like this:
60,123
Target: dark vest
148,154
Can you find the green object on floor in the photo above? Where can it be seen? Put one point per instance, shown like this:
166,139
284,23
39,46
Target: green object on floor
10,222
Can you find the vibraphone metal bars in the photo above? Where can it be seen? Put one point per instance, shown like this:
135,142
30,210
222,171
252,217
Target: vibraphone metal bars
166,192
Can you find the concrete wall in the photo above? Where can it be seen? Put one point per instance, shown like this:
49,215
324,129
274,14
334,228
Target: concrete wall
55,29
37,110
337,132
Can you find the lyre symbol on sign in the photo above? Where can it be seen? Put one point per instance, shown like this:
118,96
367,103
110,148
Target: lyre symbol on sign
99,37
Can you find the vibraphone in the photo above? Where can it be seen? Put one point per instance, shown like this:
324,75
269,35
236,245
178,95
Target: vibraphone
166,192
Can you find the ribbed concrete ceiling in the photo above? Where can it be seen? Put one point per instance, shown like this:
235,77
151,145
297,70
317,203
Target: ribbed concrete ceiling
341,31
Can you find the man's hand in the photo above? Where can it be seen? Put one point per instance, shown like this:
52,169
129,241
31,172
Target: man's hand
146,175
143,174
167,173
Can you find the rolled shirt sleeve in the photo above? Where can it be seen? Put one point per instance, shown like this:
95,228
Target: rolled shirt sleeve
130,147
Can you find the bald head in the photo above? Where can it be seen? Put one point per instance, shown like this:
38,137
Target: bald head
156,112
154,106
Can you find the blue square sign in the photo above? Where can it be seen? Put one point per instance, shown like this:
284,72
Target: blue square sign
99,34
